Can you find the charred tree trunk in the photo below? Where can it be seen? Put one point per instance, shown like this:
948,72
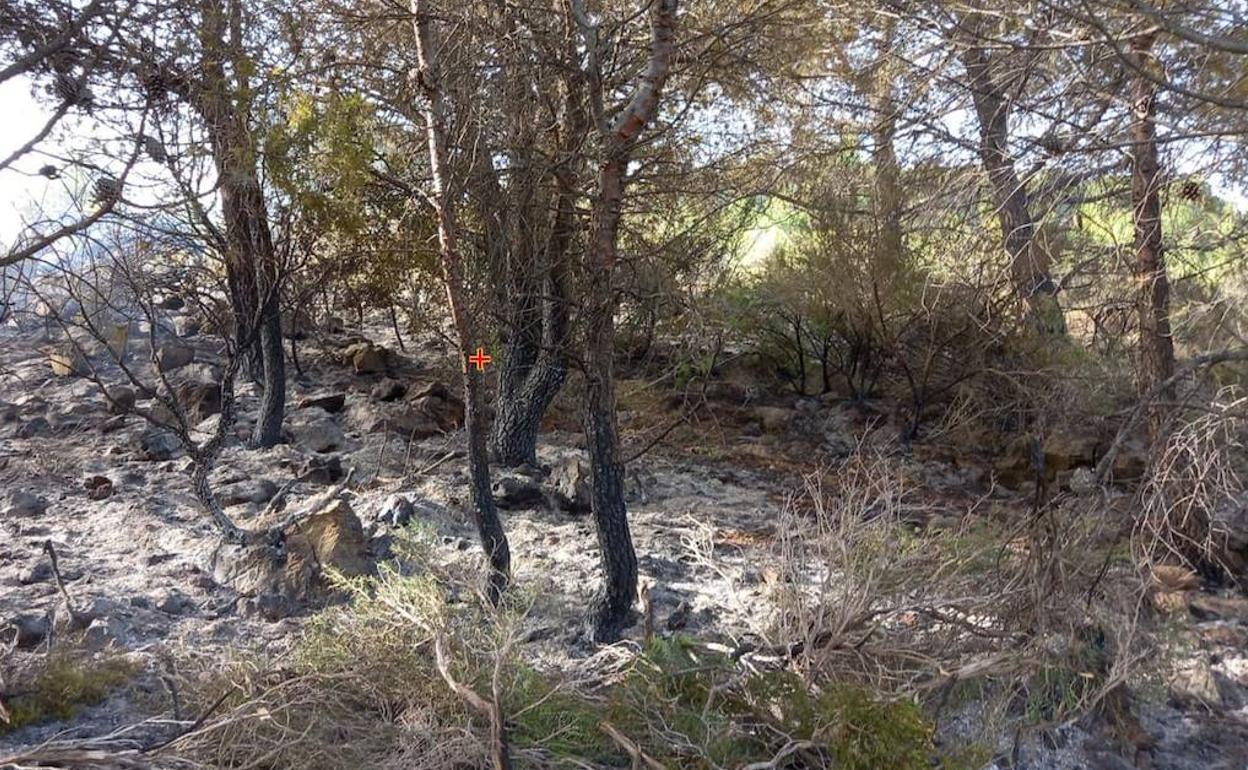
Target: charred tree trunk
537,375
252,272
888,195
1156,355
1029,268
614,600
489,526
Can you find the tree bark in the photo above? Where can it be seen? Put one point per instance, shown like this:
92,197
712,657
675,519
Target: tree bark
611,606
1029,265
252,273
1156,347
489,526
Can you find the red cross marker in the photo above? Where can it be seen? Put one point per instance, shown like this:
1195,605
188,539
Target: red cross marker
480,359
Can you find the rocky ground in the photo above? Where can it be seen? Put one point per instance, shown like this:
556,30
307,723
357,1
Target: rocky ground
109,495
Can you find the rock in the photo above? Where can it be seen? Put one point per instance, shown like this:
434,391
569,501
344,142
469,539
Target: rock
1068,449
25,504
67,360
1207,607
322,469
37,426
1171,577
297,325
773,419
173,602
1082,482
396,511
516,491
330,402
402,419
199,399
367,358
102,634
171,302
98,487
188,326
247,491
435,401
157,446
40,572
171,355
28,629
570,480
330,538
389,390
1193,681
317,433
120,399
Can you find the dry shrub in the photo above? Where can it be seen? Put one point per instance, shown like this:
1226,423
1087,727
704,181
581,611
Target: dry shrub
1194,487
1031,617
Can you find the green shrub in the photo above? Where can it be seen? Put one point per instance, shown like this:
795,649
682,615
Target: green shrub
66,682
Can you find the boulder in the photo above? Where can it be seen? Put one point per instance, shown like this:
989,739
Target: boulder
247,491
316,432
367,358
1207,607
514,491
200,400
171,355
396,511
1066,449
389,390
331,538
330,402
121,399
67,361
1192,681
773,419
171,302
322,469
37,426
157,445
171,601
569,479
404,420
436,401
25,504
188,326
28,629
98,487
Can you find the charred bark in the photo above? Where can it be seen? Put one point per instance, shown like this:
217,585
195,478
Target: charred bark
1156,347
612,604
489,526
1029,265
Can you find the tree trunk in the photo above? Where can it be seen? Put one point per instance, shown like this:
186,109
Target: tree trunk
1029,265
529,383
252,272
888,195
1156,355
611,606
489,526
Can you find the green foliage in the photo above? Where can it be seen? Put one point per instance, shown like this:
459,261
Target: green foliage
65,682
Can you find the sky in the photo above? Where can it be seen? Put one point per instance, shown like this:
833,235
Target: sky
20,119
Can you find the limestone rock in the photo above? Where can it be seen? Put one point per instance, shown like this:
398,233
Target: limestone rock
188,326
330,402
200,400
98,487
774,419
247,491
332,538
157,445
389,390
25,504
396,511
316,431
367,358
28,629
67,361
322,469
515,491
436,401
171,355
121,399
570,480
